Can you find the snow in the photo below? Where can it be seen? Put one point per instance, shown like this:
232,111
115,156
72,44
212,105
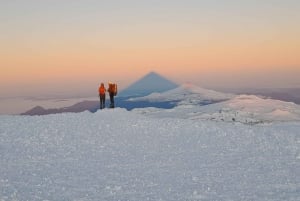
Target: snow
248,109
194,102
116,154
186,94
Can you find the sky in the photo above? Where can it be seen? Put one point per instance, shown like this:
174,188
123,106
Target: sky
70,46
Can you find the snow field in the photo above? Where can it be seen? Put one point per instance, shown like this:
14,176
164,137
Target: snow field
121,155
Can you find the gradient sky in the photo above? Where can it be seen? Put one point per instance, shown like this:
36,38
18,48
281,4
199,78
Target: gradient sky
69,46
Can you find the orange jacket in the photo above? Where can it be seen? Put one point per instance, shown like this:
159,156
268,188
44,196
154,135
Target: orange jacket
102,90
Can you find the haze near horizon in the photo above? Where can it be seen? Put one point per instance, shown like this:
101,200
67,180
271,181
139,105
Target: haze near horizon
63,47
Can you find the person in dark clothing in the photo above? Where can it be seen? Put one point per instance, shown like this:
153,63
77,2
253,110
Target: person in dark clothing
102,91
112,90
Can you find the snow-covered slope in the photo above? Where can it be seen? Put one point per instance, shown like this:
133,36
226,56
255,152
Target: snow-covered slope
120,155
262,108
243,108
251,109
186,94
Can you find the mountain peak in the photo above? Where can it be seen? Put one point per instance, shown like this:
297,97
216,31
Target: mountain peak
189,85
150,83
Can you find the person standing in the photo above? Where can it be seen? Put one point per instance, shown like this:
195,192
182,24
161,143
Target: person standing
112,90
102,91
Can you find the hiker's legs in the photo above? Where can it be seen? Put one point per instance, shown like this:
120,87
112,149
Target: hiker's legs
112,101
102,101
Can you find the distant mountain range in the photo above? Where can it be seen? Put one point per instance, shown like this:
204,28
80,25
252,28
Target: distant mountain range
91,106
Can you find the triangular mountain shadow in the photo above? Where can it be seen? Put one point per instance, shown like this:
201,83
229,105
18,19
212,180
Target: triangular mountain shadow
150,83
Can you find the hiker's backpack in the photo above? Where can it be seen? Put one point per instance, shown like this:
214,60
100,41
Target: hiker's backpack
113,89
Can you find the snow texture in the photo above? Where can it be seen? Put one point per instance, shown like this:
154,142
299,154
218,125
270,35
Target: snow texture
121,155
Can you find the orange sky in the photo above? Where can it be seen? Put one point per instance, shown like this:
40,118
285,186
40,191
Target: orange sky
55,47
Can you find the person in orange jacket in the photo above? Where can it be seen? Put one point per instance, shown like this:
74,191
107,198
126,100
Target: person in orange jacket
112,90
102,91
